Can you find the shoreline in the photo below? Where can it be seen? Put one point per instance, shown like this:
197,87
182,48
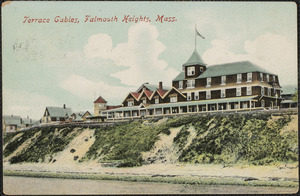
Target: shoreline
171,179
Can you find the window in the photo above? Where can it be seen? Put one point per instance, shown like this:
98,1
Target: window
130,103
262,103
208,82
261,76
249,90
173,99
269,91
189,96
274,79
180,84
201,69
156,100
238,91
262,92
191,83
191,71
223,93
196,96
223,80
208,96
249,77
239,78
268,78
144,101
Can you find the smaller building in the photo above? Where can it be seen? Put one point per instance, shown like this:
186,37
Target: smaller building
56,114
11,123
80,116
288,93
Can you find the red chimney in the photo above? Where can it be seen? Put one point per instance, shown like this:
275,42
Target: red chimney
160,86
64,106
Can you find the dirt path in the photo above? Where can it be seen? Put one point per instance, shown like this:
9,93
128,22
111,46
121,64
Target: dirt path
164,150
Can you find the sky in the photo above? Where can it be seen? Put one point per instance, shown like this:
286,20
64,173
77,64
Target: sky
74,62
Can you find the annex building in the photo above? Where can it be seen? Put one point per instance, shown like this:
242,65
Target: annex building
201,88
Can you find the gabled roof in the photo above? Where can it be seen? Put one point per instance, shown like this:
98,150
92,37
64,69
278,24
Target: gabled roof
147,93
58,111
195,59
162,92
100,100
135,95
169,91
27,121
109,107
228,69
12,120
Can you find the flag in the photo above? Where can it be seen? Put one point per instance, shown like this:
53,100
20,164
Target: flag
199,33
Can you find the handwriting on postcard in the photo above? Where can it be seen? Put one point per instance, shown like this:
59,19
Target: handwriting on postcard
96,19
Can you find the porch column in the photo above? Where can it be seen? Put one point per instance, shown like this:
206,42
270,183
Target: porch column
217,106
154,112
130,113
228,106
250,105
197,110
239,105
206,109
171,110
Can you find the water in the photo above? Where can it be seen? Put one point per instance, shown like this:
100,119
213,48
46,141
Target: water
38,186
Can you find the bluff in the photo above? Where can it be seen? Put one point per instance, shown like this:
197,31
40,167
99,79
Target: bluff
257,139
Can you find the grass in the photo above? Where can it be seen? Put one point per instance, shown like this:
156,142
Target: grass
157,179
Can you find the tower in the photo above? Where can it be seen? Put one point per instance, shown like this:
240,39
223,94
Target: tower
99,105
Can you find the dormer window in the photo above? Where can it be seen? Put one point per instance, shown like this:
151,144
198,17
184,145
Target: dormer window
239,78
173,99
268,78
274,79
180,85
191,71
144,101
208,82
156,100
130,103
201,69
249,77
223,80
191,83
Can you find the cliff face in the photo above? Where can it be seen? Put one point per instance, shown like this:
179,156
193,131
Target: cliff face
254,139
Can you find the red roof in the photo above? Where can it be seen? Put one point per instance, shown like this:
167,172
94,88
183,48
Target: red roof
109,107
136,95
148,93
161,92
100,100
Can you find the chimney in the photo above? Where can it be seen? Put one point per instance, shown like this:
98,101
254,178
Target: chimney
160,86
64,106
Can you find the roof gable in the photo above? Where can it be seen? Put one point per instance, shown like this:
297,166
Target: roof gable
58,112
173,89
12,120
100,100
195,59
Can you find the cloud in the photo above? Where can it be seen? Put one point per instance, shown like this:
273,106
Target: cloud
25,103
85,89
273,52
140,54
99,45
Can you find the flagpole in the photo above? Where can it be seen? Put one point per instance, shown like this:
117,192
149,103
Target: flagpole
195,38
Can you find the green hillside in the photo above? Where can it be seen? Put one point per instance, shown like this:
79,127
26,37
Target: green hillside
223,139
